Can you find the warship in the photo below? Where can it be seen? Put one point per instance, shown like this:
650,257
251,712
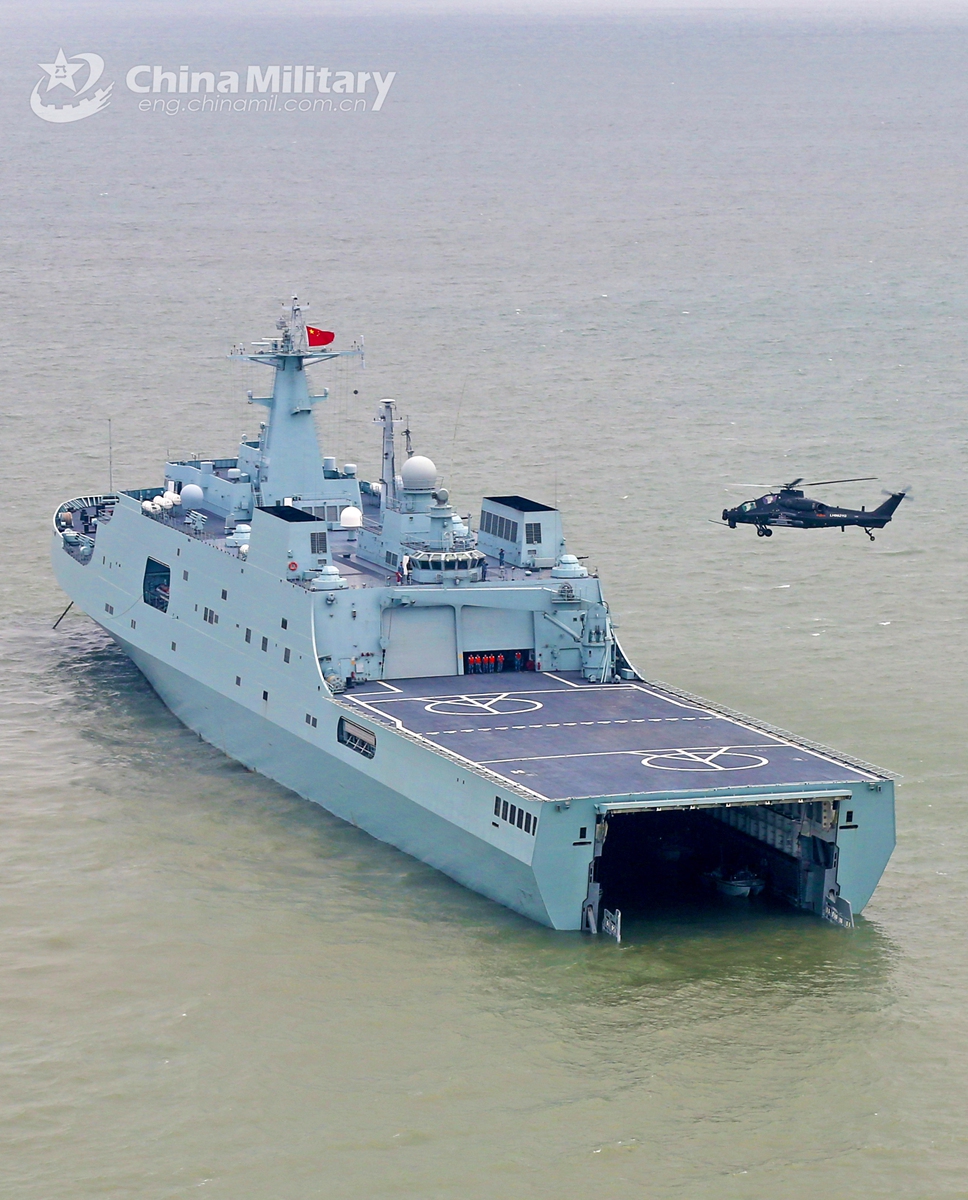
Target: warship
458,693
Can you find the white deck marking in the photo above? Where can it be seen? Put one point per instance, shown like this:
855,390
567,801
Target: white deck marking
714,760
469,706
611,688
380,710
615,753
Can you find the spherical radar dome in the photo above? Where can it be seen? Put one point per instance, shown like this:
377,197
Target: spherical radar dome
351,518
192,495
419,474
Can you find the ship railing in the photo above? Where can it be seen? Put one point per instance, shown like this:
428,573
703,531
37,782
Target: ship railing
178,520
77,543
723,710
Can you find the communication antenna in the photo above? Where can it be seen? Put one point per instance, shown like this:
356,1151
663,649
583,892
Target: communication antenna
453,444
110,458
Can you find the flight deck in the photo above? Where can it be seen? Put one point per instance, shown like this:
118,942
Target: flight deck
566,738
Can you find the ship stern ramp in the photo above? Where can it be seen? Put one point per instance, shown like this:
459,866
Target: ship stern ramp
646,793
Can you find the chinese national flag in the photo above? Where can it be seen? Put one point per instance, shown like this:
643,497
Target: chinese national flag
319,337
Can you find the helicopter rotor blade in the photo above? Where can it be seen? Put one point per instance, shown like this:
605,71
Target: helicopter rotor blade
793,484
824,482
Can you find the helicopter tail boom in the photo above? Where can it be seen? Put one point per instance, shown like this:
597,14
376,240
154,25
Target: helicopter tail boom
887,509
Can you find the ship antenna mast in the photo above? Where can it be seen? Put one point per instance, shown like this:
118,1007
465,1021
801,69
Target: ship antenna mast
293,329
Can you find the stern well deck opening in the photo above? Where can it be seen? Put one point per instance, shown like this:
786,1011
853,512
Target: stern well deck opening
655,859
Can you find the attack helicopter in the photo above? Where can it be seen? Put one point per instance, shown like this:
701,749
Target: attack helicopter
788,506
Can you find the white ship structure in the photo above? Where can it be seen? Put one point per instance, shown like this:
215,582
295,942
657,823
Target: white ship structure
458,693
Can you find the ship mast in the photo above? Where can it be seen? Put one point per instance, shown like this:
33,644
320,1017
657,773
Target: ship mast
290,464
388,419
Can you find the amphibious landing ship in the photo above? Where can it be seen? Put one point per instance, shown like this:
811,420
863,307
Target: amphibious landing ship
458,693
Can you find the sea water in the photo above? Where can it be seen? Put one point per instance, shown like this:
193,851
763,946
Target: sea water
642,268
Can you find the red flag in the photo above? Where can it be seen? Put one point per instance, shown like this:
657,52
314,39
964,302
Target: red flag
319,337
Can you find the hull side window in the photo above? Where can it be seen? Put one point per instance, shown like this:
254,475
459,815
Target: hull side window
356,737
157,584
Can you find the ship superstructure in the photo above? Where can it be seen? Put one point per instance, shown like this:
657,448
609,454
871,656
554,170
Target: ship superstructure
458,693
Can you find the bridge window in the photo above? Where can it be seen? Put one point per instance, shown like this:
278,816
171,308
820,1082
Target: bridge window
156,585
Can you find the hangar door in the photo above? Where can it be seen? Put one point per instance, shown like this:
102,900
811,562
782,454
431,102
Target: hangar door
420,642
496,628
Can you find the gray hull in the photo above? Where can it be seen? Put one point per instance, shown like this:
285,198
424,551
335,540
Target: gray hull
386,813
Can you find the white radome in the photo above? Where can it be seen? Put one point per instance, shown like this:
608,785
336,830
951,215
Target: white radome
419,474
351,518
192,495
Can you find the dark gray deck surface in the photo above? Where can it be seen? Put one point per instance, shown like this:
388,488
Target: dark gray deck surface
565,738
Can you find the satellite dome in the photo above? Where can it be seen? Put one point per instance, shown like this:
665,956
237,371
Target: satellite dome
192,495
419,474
351,518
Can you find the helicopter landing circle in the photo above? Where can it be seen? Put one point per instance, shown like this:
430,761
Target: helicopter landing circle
722,758
503,705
